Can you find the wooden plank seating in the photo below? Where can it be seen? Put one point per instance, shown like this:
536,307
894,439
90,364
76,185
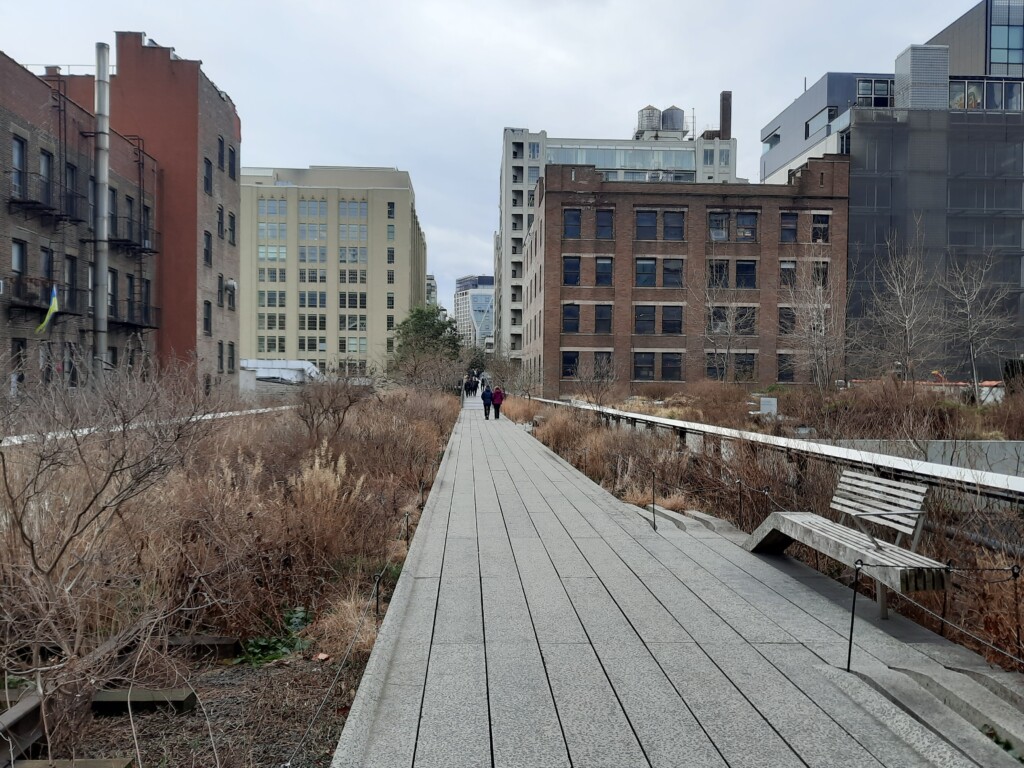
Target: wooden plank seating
21,726
867,500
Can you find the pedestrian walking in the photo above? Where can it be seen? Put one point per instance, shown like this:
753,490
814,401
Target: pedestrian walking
497,398
488,398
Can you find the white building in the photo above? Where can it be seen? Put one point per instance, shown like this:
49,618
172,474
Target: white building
661,149
474,309
431,290
333,259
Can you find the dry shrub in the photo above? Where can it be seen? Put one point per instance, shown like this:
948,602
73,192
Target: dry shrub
520,409
345,621
1007,417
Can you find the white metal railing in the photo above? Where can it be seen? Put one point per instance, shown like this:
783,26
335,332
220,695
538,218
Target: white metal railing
989,484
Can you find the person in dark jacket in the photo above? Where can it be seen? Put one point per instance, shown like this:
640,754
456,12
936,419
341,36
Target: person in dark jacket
488,398
497,398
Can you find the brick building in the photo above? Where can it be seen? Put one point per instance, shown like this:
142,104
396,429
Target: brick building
655,283
193,129
47,222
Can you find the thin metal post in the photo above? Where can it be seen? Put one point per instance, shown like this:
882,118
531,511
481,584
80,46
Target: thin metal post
945,599
1015,573
654,514
408,534
853,611
376,591
739,490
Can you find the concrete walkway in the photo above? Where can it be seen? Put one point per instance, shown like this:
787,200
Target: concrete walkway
539,622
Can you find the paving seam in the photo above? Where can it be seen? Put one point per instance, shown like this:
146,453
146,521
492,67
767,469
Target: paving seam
433,629
725,675
547,676
480,580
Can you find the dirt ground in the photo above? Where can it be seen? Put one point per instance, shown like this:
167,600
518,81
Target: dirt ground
249,716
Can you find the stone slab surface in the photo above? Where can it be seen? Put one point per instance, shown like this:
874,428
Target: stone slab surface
539,621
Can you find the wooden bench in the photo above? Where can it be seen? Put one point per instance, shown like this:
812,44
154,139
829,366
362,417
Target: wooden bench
867,501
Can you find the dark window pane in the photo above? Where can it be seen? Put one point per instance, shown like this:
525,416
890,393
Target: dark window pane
646,225
643,319
603,318
746,274
820,228
714,366
571,223
603,365
671,366
570,364
643,366
603,271
787,368
605,224
819,273
672,273
787,320
571,270
672,320
570,318
746,321
674,225
718,227
718,320
744,365
646,273
746,227
718,273
787,232
787,273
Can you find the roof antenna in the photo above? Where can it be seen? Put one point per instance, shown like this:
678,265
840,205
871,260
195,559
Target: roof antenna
805,83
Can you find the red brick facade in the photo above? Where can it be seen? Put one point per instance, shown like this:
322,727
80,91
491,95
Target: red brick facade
659,283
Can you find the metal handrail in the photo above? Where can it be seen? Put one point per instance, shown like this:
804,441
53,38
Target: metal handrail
985,483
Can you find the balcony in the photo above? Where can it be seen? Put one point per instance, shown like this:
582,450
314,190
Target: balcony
33,294
134,312
36,195
130,235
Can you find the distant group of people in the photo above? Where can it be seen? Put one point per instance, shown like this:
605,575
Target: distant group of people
471,384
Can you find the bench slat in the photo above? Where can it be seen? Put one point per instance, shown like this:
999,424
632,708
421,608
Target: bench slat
897,484
904,524
915,495
862,505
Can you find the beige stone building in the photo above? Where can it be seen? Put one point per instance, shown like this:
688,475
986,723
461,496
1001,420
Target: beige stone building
333,259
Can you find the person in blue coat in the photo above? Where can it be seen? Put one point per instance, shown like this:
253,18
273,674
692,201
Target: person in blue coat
487,397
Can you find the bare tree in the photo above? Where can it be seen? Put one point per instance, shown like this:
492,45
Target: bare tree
512,375
727,323
598,379
324,404
900,328
976,318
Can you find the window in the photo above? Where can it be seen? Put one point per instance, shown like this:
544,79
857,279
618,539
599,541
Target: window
220,290
208,176
714,366
112,213
208,318
718,320
71,190
819,273
744,366
391,323
709,156
603,270
643,366
571,223
220,152
605,224
129,217
391,210
91,192
391,301
718,273
220,357
391,255
232,160
534,150
746,321
603,318
820,228
646,273
570,364
675,225
718,226
45,177
787,368
672,273
643,319
746,274
646,225
724,156
787,320
19,188
19,357
570,318
671,366
672,320
787,274
231,357
570,270
746,227
532,174
220,221
391,232
603,364
112,292
787,227
92,286
231,228
207,249
19,258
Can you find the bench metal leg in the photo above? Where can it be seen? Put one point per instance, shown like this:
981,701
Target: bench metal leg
881,597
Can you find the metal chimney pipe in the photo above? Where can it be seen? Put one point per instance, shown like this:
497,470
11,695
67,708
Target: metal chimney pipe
725,115
102,194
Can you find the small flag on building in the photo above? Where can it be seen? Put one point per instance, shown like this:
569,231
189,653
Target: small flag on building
54,308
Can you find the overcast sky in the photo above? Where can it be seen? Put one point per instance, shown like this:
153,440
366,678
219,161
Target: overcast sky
428,85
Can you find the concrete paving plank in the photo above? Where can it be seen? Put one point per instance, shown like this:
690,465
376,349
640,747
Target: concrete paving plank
455,727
